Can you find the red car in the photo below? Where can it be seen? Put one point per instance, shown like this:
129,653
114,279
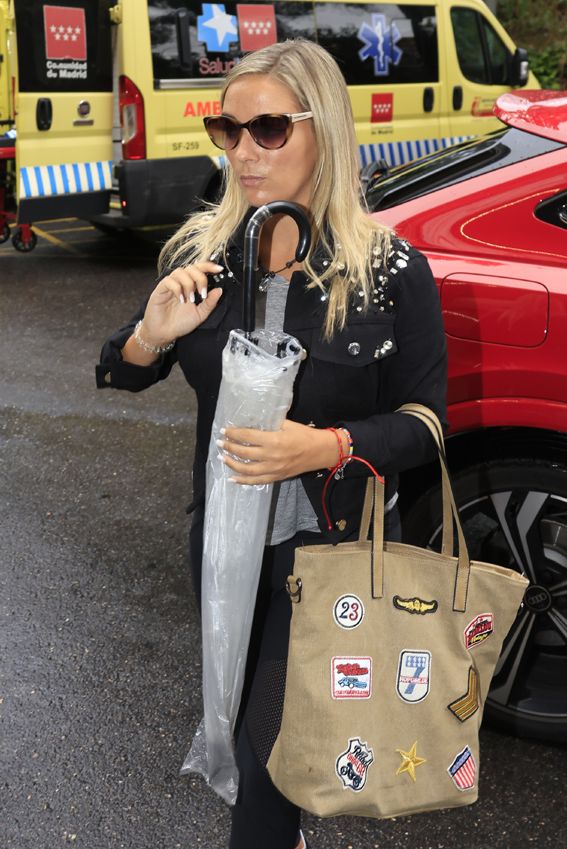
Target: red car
491,216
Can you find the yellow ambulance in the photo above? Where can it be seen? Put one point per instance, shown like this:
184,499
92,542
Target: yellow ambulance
110,97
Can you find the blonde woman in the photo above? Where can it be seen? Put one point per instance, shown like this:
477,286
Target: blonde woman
364,306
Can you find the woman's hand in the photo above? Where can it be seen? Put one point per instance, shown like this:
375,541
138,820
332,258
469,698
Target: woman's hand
265,456
171,311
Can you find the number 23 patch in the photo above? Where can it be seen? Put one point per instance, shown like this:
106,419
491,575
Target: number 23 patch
348,611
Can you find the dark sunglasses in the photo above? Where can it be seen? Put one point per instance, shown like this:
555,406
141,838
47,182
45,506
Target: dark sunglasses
269,131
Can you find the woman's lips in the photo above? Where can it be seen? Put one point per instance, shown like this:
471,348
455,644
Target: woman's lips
250,181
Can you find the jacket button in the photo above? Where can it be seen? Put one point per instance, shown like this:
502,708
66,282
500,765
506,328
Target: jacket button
340,524
354,349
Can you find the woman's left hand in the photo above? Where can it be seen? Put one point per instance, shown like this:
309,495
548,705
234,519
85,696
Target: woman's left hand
265,456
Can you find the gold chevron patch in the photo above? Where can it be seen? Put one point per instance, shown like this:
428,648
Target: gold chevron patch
467,705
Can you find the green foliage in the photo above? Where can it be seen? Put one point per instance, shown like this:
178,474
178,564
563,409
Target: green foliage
541,27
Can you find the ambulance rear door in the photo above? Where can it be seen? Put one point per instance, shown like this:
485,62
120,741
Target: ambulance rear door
6,117
62,62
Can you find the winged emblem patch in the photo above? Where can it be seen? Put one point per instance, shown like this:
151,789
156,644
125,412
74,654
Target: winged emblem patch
415,605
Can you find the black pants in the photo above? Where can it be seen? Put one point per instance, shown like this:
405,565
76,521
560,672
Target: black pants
262,818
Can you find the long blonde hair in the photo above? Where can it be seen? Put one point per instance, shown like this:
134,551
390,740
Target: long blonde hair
356,243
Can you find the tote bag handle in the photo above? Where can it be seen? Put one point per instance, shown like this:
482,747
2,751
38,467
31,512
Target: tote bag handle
375,497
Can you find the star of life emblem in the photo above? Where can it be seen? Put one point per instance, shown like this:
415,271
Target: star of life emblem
380,44
215,28
352,765
414,671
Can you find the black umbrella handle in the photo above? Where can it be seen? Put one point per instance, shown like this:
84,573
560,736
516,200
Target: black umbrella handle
252,244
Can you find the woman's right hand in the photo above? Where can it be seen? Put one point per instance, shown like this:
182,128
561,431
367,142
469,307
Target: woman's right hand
171,311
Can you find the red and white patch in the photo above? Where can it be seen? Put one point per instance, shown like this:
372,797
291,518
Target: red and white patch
351,677
256,26
479,629
348,611
382,111
65,33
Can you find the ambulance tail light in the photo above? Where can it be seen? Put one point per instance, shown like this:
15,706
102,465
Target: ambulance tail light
132,120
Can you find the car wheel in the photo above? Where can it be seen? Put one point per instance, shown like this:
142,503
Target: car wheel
514,513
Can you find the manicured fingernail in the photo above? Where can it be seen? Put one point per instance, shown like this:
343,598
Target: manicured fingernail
219,267
203,294
181,299
223,431
192,297
220,443
220,457
233,480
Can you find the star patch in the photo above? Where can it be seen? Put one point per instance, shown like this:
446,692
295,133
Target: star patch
410,760
468,704
215,28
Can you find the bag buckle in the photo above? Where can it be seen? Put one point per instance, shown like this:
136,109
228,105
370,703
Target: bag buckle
294,587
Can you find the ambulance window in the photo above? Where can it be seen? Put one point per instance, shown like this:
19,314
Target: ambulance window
212,51
64,46
498,55
380,43
483,56
468,40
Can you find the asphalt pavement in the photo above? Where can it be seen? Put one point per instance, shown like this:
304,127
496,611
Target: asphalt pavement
99,637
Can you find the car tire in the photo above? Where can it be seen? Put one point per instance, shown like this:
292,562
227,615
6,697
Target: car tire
514,513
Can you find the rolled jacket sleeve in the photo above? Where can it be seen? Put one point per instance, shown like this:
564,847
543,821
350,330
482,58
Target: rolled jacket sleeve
417,373
114,372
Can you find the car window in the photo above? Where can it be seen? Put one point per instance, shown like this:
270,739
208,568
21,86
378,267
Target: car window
381,42
483,56
372,42
469,159
63,48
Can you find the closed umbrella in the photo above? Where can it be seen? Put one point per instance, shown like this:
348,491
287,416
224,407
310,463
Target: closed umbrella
258,371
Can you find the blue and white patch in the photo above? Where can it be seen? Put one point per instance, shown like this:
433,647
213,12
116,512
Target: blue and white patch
348,611
414,671
351,677
352,765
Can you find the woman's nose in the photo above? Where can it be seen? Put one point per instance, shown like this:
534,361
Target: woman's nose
246,149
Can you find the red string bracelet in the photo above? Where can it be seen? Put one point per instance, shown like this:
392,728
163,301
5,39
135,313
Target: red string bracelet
342,457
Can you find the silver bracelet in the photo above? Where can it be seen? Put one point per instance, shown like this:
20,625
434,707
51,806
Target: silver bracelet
151,349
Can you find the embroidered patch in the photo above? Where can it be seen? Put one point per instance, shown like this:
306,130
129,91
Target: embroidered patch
468,704
481,627
415,605
410,760
463,770
351,677
414,669
352,765
348,611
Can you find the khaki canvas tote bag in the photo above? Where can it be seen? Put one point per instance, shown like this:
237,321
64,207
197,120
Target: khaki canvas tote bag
391,653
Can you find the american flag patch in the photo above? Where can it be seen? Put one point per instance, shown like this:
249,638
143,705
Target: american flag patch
463,770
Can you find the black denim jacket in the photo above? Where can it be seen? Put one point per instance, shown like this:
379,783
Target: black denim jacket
391,354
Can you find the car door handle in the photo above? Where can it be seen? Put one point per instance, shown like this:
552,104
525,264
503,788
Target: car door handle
44,113
428,99
457,97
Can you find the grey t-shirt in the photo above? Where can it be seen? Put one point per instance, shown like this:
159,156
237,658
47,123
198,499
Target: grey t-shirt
291,510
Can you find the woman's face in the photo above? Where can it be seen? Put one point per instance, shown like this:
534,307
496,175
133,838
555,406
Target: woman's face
268,175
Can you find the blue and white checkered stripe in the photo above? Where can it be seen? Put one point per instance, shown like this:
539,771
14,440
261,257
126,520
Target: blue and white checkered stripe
398,153
38,181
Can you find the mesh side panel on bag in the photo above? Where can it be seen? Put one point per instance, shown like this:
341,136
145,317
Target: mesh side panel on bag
265,708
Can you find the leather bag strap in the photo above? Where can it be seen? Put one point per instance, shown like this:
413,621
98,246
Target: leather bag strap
375,497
